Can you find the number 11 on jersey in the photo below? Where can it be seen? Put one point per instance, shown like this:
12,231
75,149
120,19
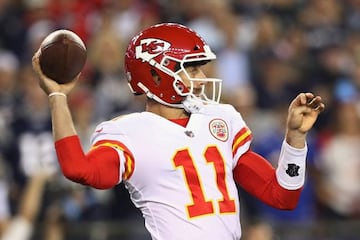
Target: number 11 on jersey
200,206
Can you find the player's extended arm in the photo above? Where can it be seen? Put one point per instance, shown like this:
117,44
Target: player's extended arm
60,114
100,167
280,188
258,177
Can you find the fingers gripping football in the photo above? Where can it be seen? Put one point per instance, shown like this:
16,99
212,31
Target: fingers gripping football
48,85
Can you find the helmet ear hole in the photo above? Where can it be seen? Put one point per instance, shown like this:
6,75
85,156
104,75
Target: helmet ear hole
180,86
166,62
177,67
155,76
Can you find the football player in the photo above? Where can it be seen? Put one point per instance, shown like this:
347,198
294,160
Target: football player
182,158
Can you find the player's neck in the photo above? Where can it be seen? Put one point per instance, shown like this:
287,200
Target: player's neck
165,111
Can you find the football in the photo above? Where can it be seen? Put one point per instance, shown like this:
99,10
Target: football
62,55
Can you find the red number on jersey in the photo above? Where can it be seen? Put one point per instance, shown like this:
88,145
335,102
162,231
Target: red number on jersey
200,206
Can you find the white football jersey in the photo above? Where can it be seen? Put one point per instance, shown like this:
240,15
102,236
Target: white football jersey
181,178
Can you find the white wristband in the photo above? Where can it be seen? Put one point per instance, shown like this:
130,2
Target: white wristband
57,94
290,172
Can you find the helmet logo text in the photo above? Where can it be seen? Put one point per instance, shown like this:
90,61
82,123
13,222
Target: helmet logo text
150,48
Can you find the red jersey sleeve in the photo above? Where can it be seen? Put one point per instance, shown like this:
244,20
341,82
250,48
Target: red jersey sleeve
256,175
98,168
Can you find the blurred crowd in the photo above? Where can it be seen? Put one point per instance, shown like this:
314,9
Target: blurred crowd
267,52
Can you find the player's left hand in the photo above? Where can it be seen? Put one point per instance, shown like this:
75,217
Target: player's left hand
302,114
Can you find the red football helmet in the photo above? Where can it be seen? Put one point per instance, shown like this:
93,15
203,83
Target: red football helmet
165,50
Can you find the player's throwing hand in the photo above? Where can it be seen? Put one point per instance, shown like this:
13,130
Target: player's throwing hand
48,85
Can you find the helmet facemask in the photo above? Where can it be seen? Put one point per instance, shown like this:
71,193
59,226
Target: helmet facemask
209,91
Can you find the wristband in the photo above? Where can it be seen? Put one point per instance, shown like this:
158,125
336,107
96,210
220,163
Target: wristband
290,172
57,94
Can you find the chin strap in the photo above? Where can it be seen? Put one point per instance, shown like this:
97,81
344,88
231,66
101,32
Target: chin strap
192,105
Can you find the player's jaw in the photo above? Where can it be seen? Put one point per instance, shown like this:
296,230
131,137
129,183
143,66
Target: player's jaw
194,86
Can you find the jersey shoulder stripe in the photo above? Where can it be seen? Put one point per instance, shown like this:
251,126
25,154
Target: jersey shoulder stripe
129,157
241,138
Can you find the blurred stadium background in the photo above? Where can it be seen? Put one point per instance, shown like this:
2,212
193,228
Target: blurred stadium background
268,51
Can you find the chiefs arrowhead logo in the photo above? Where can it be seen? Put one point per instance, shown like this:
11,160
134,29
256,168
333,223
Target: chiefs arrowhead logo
219,129
150,48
